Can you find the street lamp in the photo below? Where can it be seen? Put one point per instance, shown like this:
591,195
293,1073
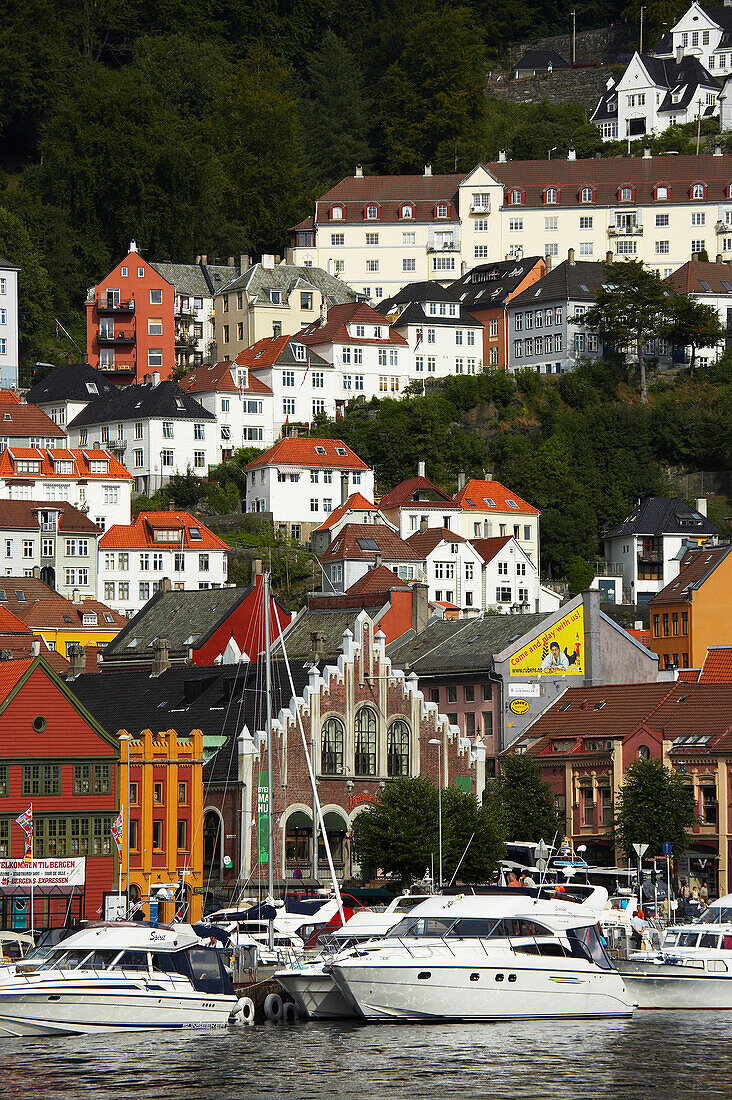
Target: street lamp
436,741
126,737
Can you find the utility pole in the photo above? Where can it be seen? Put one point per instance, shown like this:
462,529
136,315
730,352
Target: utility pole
574,37
640,45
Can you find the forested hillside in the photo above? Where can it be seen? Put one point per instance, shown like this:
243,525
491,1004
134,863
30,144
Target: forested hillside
210,127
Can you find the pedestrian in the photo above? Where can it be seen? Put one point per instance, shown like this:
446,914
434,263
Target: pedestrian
704,893
639,926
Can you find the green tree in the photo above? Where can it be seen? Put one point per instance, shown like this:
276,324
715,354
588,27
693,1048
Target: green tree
336,114
653,806
524,802
630,310
692,324
579,574
35,320
400,832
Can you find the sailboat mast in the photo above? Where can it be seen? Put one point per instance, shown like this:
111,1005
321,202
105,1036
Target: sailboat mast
268,688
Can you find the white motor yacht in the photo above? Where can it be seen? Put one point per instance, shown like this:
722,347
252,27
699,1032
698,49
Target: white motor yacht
692,969
312,987
505,954
119,976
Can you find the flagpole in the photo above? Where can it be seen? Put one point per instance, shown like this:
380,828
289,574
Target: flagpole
32,921
119,870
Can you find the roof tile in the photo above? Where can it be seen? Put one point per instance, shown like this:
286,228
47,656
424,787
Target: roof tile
476,494
306,451
139,535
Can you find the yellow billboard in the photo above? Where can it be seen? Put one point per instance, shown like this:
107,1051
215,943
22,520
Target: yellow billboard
559,651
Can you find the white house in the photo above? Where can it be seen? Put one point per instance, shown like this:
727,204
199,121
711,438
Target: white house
355,509
453,568
488,509
510,580
54,541
90,478
67,391
359,547
135,558
240,401
24,425
300,481
417,503
157,428
702,33
443,338
8,324
647,547
303,384
711,284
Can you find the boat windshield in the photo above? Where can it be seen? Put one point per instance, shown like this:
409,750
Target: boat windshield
467,928
113,959
587,943
716,914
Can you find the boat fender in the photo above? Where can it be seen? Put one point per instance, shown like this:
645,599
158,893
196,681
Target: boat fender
244,1011
273,1006
290,1012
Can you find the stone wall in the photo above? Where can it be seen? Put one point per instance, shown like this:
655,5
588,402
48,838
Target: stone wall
599,46
583,86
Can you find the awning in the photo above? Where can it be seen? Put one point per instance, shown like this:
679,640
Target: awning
299,820
334,823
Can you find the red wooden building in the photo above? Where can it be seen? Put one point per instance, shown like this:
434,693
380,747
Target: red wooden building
57,758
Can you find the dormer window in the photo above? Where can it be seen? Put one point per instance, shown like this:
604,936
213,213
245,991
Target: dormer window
89,618
337,213
377,332
626,194
99,466
551,196
661,192
300,352
320,450
698,191
515,197
371,213
275,297
406,211
587,194
63,466
242,378
442,210
27,466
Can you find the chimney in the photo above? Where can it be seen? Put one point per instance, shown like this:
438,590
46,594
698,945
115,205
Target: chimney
69,358
680,53
75,596
317,647
608,257
420,607
244,261
213,353
133,246
204,259
85,357
344,487
502,158
156,378
719,259
161,656
461,481
323,312
423,525
428,169
717,150
638,624
547,264
647,153
359,172
572,154
701,505
230,261
35,647
6,654
570,257
146,379
268,260
378,560
257,568
421,469
165,585
77,660
487,475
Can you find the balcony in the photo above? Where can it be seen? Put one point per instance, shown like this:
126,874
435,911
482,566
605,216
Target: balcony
184,341
480,207
116,368
119,446
106,304
608,568
118,339
723,227
447,245
650,555
625,231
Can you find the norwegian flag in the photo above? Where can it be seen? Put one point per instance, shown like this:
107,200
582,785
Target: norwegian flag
116,832
420,335
26,823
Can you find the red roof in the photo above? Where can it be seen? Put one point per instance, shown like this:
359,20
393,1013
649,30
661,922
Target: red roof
23,514
304,451
56,612
388,544
9,397
355,503
408,492
642,636
11,624
488,548
379,579
138,535
717,667
354,193
424,542
81,458
476,494
210,377
21,646
10,673
264,353
334,330
688,278
702,711
22,420
689,675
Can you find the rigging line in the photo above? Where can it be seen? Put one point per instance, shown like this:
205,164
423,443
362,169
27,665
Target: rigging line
316,797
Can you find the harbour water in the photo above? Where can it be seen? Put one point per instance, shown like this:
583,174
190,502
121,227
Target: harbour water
655,1055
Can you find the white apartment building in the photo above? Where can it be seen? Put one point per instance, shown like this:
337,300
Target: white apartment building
56,542
662,210
302,384
155,427
241,403
135,558
442,337
488,510
453,569
705,34
298,482
8,324
24,425
91,479
417,504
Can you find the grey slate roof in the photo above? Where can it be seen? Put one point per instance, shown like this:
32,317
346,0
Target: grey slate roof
576,281
668,73
69,383
425,291
447,646
540,59
218,699
177,616
490,284
7,266
414,314
663,516
258,280
330,623
166,399
197,280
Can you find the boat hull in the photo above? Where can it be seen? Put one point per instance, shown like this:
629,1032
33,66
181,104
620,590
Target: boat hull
379,992
316,994
677,987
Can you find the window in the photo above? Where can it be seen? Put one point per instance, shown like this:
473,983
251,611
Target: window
156,297
203,562
586,248
698,191
337,239
27,548
365,742
515,197
155,357
406,212
480,251
480,225
662,248
409,265
372,266
586,195
697,246
331,747
397,749
698,218
551,196
166,458
515,225
494,327
157,836
625,248
551,223
372,238
684,622
41,779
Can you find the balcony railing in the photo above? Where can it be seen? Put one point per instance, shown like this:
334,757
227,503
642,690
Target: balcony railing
106,304
723,227
111,339
444,246
608,568
650,555
116,368
625,231
118,445
480,207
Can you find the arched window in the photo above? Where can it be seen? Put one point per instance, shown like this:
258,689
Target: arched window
662,193
626,194
365,762
372,212
587,194
407,211
515,197
644,753
336,213
397,749
551,196
442,210
698,191
331,747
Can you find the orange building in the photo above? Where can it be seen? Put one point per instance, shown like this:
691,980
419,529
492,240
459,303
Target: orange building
165,809
694,610
130,322
484,293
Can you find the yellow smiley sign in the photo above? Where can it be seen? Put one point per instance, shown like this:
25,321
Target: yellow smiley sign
519,706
